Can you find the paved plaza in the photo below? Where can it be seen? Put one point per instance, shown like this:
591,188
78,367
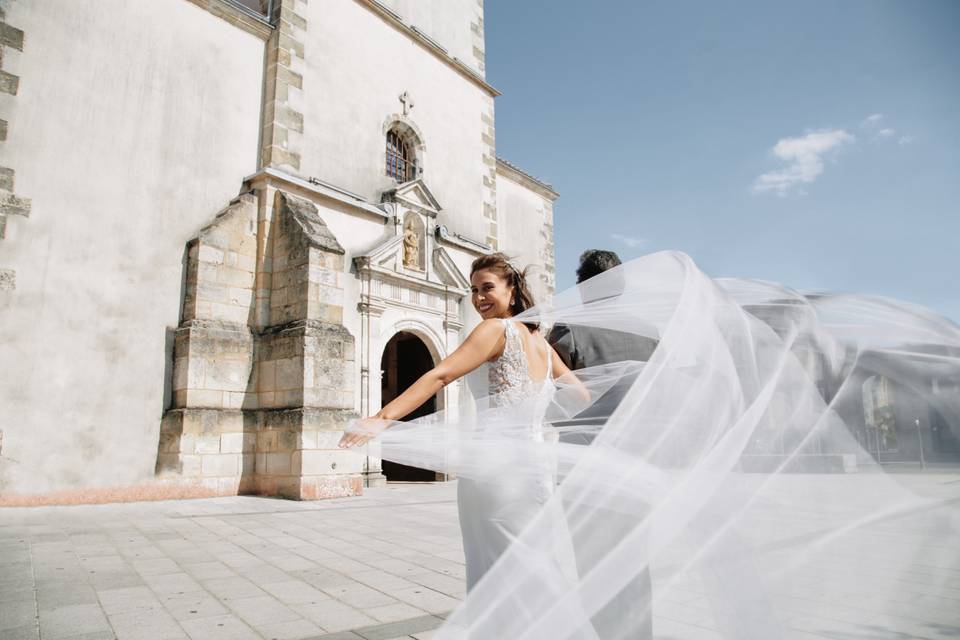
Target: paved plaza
387,565
383,566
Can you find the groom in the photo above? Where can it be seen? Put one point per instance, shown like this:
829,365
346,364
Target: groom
580,347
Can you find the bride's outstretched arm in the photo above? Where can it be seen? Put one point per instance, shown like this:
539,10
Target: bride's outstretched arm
484,343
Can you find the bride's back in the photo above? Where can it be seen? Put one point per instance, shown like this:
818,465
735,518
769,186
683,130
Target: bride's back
535,351
523,362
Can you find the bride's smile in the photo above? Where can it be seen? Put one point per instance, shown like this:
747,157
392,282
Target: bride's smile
492,295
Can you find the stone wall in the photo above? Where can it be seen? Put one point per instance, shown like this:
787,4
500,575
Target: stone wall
11,43
261,409
455,25
282,139
213,359
488,177
132,123
357,65
525,210
132,318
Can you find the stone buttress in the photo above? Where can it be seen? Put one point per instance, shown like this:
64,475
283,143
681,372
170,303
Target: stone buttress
263,366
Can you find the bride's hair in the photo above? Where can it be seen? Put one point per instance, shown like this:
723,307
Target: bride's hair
500,264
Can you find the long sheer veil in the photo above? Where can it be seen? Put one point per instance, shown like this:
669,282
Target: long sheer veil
739,466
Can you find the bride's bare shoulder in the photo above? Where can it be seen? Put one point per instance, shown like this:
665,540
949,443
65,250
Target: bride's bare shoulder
489,336
491,329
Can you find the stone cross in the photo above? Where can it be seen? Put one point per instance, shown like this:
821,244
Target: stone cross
407,102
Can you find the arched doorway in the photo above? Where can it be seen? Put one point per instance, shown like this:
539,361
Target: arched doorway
405,358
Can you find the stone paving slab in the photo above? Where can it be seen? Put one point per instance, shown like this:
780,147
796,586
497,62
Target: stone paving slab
384,566
376,567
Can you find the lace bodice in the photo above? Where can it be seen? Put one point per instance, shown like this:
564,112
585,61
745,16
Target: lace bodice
512,388
509,375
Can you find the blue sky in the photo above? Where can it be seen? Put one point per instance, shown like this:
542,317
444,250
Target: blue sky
811,143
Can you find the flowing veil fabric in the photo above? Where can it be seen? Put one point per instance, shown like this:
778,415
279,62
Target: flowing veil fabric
738,466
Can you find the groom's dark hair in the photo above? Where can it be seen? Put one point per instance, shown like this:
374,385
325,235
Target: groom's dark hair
595,261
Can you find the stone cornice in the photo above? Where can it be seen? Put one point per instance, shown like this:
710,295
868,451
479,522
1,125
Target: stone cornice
306,326
521,177
239,16
429,44
381,303
473,246
408,193
365,266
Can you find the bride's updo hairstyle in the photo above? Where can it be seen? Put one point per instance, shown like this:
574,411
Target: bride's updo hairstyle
500,264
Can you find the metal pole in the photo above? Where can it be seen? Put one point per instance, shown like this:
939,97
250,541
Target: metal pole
923,463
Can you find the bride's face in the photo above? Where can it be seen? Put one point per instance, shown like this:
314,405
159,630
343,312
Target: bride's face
491,294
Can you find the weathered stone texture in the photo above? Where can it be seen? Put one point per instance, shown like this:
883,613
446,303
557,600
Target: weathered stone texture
10,204
307,265
6,179
213,365
11,36
289,16
221,266
262,410
297,456
9,83
209,447
14,205
478,39
547,252
282,138
8,280
489,179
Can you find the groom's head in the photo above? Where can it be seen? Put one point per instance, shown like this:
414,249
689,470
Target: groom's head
592,263
595,261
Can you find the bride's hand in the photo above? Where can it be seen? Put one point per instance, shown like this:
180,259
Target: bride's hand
359,432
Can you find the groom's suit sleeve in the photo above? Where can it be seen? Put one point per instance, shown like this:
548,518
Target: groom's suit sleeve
561,339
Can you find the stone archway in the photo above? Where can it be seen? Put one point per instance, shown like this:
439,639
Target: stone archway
405,358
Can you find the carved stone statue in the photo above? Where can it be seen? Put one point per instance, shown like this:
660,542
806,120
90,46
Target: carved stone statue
411,245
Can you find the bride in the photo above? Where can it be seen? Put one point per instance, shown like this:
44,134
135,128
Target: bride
742,466
522,366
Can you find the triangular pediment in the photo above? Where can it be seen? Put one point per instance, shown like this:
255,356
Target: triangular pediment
448,271
414,194
386,255
386,259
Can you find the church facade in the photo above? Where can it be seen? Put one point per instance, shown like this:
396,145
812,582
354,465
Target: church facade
230,227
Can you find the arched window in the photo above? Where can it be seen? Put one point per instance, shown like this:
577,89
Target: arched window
401,159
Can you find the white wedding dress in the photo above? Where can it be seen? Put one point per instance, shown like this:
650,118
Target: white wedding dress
741,468
494,512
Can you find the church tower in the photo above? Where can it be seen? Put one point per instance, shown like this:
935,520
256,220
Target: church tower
350,148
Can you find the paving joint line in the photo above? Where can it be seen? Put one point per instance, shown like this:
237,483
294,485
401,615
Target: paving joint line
387,630
309,510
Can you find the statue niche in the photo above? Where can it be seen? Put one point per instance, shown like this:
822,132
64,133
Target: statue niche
414,240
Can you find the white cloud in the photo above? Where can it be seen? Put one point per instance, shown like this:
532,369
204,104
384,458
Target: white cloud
630,241
877,131
905,139
804,156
